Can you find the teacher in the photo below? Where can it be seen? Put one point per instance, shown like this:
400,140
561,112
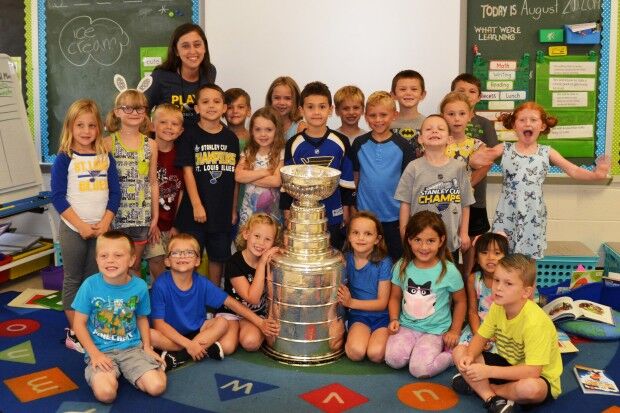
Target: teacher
187,67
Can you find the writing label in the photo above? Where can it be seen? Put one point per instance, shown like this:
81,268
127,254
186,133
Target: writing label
572,132
151,61
490,115
513,95
502,75
503,65
572,68
571,84
489,95
501,105
569,99
558,51
499,85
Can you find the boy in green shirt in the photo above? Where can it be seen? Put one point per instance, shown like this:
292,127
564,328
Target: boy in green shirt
528,365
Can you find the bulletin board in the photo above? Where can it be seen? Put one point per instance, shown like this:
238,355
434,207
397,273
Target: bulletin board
82,44
510,33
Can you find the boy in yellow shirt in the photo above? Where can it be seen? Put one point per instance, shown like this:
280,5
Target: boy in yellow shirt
528,365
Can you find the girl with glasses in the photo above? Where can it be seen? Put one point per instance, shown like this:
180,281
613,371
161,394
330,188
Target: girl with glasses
136,160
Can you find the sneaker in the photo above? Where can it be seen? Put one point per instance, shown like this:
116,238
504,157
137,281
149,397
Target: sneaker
171,360
72,342
215,351
498,404
460,385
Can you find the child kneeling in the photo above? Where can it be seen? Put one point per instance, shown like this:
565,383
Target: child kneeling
111,309
180,298
245,276
528,365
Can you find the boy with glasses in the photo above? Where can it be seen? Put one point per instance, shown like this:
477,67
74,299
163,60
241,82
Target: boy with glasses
179,301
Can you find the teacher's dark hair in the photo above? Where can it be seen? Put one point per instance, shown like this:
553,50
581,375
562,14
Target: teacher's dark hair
173,61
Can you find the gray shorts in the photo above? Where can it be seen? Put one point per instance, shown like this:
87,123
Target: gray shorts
132,362
157,249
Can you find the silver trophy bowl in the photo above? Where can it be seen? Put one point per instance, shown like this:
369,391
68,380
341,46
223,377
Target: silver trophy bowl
309,183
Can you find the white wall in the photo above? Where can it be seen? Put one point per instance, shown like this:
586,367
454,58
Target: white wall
361,42
586,213
364,42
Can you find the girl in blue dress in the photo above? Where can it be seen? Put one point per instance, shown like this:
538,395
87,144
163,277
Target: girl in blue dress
367,289
521,212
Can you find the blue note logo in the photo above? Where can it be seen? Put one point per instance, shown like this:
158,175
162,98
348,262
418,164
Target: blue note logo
102,40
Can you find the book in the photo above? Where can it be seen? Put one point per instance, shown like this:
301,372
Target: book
566,346
595,381
565,307
52,301
580,278
17,240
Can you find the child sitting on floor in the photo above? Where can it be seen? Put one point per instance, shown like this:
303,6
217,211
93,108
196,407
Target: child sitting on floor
528,365
180,298
111,309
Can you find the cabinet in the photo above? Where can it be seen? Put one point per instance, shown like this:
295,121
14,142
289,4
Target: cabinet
36,258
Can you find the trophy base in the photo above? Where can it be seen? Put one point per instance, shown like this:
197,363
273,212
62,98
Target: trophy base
303,361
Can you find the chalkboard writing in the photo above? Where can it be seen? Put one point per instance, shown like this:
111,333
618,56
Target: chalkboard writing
507,30
498,30
89,41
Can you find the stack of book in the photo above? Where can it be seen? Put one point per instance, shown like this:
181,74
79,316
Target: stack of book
12,243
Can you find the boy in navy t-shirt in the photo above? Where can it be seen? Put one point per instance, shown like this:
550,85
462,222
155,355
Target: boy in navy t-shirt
208,153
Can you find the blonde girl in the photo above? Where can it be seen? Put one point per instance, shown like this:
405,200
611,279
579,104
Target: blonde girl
245,275
136,159
424,284
367,289
86,194
458,111
521,212
283,96
259,166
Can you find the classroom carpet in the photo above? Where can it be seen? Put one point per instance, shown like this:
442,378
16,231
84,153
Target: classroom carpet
40,374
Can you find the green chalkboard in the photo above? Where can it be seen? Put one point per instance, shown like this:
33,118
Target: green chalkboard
88,41
507,29
510,30
13,34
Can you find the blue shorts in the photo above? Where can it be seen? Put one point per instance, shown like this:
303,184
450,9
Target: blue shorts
217,244
373,322
139,235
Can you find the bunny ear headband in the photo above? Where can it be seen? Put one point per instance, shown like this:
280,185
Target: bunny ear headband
143,85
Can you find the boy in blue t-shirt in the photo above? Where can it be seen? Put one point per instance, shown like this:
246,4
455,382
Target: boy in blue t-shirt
111,309
180,299
319,145
379,159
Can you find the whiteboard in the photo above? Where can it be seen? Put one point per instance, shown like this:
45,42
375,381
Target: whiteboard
360,42
20,175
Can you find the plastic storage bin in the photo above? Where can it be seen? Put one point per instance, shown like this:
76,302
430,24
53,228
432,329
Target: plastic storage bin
612,257
4,259
561,259
52,278
34,265
599,292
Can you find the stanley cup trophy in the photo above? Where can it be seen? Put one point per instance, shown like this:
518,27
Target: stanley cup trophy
304,280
